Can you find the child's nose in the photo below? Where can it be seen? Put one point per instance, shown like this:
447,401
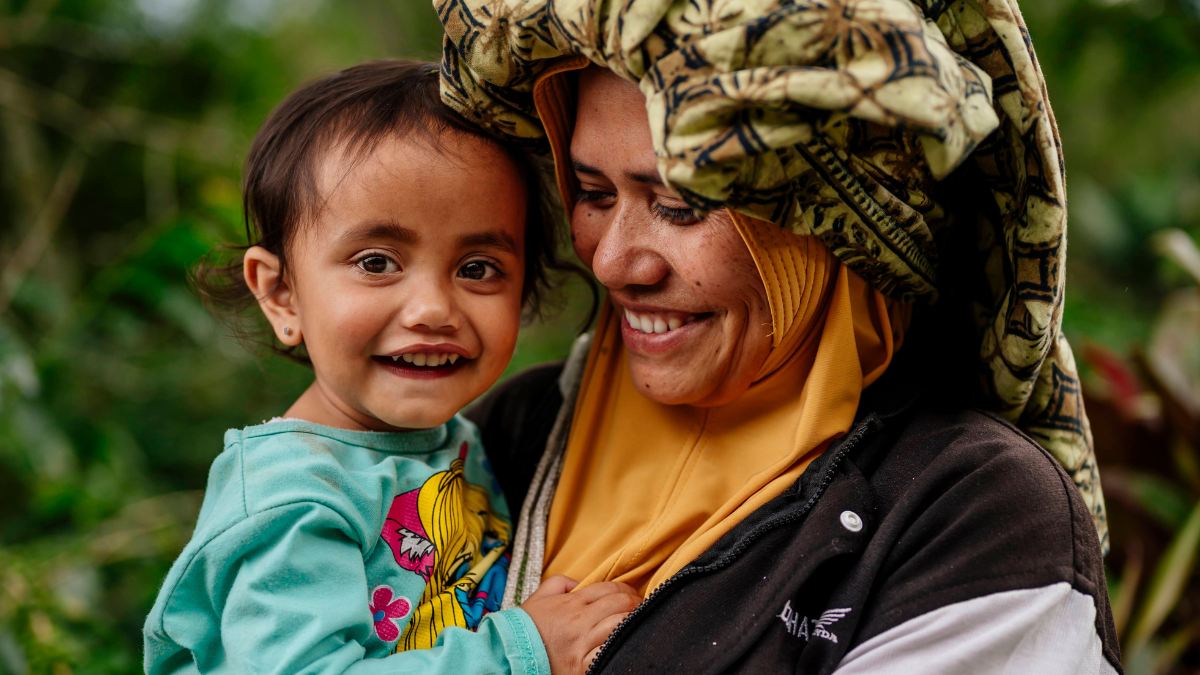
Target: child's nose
430,307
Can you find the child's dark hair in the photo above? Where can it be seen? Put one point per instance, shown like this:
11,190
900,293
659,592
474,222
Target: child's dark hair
360,107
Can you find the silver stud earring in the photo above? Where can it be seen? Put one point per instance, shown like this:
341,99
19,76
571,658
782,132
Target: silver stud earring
287,330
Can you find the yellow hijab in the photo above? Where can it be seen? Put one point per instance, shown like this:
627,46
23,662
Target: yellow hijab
647,487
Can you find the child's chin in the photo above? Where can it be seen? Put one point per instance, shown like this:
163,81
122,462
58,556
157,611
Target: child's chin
410,413
415,420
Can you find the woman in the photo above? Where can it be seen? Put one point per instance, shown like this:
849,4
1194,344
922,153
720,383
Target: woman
770,433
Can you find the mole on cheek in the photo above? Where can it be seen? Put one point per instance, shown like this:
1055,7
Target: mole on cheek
697,283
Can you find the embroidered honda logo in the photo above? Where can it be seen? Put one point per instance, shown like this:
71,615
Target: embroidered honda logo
798,626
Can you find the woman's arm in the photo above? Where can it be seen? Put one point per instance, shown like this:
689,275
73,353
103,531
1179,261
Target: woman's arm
1050,629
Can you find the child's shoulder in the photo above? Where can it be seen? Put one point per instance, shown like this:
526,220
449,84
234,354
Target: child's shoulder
285,462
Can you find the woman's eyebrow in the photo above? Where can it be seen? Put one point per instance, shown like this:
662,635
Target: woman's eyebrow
585,168
650,178
490,239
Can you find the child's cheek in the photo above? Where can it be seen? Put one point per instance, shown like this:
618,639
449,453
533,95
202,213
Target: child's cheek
497,320
343,323
356,314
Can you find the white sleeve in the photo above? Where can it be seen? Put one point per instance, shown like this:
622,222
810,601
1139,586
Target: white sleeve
1048,630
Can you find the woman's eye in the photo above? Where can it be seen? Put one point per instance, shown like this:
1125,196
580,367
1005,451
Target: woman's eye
477,270
591,196
378,264
678,216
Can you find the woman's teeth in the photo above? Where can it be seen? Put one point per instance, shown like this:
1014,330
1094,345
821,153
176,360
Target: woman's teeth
427,360
656,322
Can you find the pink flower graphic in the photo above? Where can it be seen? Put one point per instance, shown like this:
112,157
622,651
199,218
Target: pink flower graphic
385,611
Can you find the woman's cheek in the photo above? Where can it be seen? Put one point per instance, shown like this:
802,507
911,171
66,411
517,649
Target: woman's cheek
585,236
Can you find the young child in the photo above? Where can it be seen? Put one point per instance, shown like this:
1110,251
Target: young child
363,532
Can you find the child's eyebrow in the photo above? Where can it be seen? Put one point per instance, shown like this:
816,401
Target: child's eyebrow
384,229
490,239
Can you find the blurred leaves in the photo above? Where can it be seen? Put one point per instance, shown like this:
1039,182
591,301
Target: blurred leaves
1166,587
1145,416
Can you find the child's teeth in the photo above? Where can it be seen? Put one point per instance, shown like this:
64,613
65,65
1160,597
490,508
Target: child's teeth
427,360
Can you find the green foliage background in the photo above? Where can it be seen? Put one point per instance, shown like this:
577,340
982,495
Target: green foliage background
123,124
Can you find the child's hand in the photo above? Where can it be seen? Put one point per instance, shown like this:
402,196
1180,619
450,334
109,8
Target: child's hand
573,626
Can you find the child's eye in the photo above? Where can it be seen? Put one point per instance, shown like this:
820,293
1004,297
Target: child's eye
378,264
478,270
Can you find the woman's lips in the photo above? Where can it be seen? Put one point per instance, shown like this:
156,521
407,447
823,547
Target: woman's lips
657,322
678,328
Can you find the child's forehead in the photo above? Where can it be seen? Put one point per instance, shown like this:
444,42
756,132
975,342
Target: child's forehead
464,184
411,159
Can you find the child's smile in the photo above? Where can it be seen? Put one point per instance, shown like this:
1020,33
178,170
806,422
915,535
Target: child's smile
426,361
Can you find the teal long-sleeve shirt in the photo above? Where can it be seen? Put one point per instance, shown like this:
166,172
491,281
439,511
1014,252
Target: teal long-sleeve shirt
317,547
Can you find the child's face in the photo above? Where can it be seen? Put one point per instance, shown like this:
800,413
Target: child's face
407,288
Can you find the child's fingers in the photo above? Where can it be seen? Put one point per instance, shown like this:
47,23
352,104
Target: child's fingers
605,627
614,603
592,657
556,585
599,590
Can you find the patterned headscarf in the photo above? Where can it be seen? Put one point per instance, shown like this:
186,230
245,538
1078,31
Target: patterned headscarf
891,129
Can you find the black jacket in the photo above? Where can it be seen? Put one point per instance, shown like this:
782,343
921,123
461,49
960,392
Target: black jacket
923,506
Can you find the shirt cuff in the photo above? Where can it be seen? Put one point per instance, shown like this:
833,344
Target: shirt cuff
522,642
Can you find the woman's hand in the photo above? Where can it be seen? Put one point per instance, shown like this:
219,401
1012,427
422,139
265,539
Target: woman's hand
573,626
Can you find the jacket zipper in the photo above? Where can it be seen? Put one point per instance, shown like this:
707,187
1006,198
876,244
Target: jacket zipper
854,438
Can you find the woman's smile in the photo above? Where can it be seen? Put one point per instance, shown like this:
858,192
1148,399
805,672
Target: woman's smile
646,331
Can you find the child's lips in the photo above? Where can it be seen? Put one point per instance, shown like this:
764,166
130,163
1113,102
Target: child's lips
425,359
429,369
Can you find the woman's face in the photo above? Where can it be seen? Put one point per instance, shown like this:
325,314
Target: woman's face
694,314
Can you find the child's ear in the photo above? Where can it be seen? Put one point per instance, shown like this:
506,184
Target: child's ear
264,276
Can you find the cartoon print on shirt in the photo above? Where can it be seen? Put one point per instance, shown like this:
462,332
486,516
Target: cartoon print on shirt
385,611
406,535
446,532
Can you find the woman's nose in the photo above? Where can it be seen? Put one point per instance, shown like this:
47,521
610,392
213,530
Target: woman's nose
625,253
429,306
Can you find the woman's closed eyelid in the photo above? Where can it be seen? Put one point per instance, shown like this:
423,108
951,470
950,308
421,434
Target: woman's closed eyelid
684,215
584,196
